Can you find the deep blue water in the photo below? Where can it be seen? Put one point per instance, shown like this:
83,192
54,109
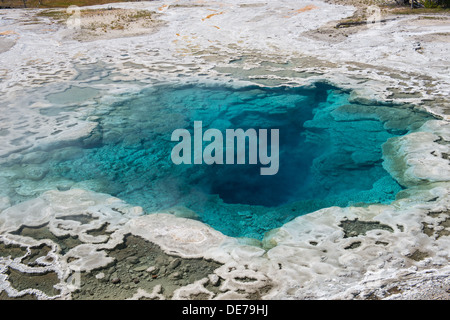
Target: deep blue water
330,153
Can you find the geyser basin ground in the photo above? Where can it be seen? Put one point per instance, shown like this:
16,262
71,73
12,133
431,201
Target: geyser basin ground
330,154
395,251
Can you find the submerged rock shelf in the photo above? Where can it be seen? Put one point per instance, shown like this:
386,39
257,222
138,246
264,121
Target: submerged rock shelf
92,207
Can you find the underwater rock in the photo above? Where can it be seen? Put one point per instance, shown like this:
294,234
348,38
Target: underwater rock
330,154
306,258
182,212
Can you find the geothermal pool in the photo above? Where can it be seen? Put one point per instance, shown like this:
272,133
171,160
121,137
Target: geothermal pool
330,153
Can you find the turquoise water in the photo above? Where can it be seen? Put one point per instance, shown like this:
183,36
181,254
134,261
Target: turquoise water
330,153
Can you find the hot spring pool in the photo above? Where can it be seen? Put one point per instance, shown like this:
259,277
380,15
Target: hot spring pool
329,153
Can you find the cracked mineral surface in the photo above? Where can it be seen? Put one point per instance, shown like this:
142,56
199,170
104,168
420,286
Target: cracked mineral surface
65,239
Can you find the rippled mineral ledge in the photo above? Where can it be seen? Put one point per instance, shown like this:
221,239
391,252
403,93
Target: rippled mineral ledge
64,242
